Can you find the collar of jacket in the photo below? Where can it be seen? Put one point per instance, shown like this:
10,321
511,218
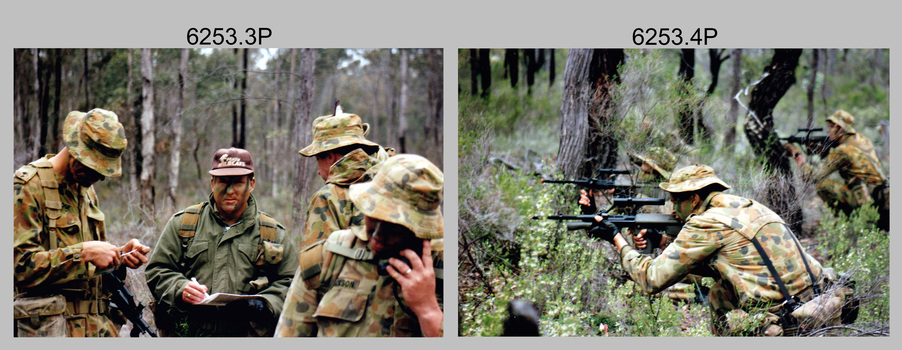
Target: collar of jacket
248,218
351,168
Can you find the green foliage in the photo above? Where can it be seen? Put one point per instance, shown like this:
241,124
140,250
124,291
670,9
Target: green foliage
854,245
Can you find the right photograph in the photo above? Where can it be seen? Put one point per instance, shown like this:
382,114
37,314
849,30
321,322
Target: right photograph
673,192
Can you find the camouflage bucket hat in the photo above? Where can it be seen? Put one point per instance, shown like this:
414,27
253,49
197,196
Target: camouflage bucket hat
659,159
406,191
96,139
845,121
692,178
334,131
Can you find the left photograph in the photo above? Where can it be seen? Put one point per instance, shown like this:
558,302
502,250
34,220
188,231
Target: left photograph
228,192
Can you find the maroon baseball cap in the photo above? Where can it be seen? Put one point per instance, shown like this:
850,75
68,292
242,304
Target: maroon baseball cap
232,162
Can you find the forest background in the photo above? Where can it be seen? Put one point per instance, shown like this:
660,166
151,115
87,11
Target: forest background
522,113
179,106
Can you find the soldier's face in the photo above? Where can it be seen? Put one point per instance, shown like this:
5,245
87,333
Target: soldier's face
834,131
230,193
82,174
386,240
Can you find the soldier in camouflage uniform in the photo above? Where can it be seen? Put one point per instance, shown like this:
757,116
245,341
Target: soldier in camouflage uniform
343,157
224,245
60,249
365,287
716,241
858,166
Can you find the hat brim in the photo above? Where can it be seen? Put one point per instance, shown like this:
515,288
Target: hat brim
692,185
317,147
89,158
376,203
230,172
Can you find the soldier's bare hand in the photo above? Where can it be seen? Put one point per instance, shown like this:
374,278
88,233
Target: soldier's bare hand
101,254
639,239
584,198
417,282
194,292
134,254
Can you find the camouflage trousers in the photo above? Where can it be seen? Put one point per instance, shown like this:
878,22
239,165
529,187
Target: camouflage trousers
839,196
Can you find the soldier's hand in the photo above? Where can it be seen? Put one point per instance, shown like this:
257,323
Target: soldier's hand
134,254
101,254
417,283
194,292
584,198
639,239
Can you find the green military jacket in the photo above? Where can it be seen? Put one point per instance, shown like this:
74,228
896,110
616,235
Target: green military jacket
715,243
330,209
232,259
351,298
48,237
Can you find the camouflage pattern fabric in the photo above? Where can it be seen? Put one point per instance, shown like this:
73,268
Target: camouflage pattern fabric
406,191
330,209
659,159
96,139
715,243
845,121
353,299
692,178
335,131
860,172
226,260
42,271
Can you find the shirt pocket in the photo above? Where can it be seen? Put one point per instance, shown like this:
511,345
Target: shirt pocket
194,253
345,304
68,229
96,223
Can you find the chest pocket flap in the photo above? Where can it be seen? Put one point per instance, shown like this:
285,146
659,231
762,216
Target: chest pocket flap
343,303
195,249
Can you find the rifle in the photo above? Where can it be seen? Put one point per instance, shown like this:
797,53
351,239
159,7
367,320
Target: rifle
602,181
814,144
124,300
660,223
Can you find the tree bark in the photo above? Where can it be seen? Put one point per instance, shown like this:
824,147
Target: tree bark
435,95
733,114
474,72
529,56
826,90
812,82
147,138
55,118
87,79
132,155
303,136
551,67
716,60
175,158
43,123
759,130
402,105
586,109
35,138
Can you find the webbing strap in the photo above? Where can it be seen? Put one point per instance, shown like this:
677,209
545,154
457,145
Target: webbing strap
188,224
356,254
268,227
773,271
52,202
817,289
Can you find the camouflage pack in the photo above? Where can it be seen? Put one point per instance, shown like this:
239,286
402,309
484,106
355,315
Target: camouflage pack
407,191
335,131
96,139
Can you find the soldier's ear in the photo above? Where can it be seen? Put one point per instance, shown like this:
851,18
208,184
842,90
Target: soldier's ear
252,182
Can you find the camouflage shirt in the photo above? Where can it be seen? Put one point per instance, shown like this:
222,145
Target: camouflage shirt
330,209
226,260
40,270
854,159
353,299
715,244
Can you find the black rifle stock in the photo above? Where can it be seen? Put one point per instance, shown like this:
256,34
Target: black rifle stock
124,300
602,181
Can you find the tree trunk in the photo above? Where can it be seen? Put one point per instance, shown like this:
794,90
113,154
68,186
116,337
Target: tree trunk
243,123
474,72
303,136
434,119
55,118
175,158
35,138
759,130
716,61
131,154
733,114
485,72
589,76
512,66
87,79
276,120
812,82
43,123
551,67
529,56
686,110
402,105
147,137
826,90
21,116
